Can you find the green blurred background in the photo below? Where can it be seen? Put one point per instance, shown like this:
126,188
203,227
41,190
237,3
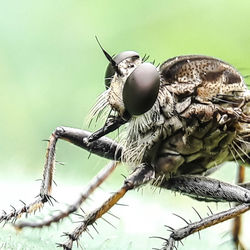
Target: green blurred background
52,70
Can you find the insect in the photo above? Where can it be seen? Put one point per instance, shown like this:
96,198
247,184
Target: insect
179,122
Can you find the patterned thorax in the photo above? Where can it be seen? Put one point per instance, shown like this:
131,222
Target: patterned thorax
206,76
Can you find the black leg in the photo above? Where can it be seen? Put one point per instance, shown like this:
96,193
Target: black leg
214,219
104,147
245,185
207,189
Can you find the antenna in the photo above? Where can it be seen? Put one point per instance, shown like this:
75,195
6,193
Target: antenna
109,57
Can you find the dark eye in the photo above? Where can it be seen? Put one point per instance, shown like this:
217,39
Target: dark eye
110,71
141,89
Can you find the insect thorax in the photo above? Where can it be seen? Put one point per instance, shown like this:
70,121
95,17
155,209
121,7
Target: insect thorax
196,123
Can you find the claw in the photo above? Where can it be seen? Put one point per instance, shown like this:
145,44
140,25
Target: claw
64,246
65,234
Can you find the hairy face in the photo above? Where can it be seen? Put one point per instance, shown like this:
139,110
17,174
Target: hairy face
115,93
131,96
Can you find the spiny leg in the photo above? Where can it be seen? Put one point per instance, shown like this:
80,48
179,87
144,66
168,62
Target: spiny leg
45,190
181,233
237,222
94,183
207,189
104,147
142,174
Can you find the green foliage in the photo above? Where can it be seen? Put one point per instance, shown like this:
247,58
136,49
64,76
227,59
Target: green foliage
52,70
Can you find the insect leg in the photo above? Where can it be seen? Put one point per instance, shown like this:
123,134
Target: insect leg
103,147
237,222
207,189
214,219
142,174
94,183
245,185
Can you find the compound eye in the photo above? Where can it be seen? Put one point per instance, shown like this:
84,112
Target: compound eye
110,71
141,89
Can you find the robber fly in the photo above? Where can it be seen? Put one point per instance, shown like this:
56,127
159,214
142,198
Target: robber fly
180,121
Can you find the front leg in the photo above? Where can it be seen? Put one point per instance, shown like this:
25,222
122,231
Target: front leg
94,183
104,147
